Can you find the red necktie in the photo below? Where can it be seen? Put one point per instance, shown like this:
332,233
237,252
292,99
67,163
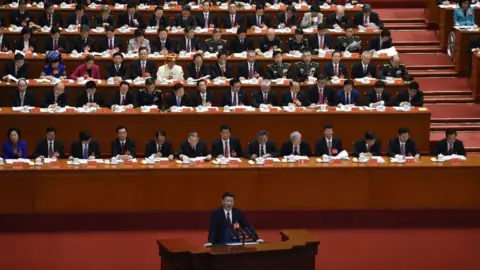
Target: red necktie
233,21
206,20
320,96
188,45
295,152
250,71
321,42
91,99
143,69
123,101
123,148
226,151
198,73
450,148
368,148
336,70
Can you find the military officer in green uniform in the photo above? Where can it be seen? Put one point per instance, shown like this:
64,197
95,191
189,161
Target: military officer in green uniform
149,95
297,43
278,69
394,69
302,70
216,43
344,41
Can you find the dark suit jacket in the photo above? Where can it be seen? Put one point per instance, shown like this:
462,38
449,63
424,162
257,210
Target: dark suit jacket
360,146
6,44
354,97
282,18
172,100
99,21
394,147
200,149
112,71
129,147
83,99
226,21
192,72
28,100
22,72
237,47
79,44
136,69
124,19
182,45
197,99
328,94
16,18
56,18
163,22
442,148
42,149
115,99
331,20
375,44
215,71
357,70
371,97
212,19
72,19
227,98
342,69
287,149
93,149
327,42
103,46
287,98
321,147
235,146
252,20
221,231
31,43
49,99
417,100
151,148
189,22
243,69
374,18
257,98
156,45
254,148
62,44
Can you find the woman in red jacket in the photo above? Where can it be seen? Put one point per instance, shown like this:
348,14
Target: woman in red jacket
88,71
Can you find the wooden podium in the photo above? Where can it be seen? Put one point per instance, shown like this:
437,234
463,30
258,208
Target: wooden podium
296,251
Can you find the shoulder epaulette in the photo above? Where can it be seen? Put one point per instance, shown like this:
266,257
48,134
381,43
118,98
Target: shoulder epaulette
158,91
270,65
208,39
142,90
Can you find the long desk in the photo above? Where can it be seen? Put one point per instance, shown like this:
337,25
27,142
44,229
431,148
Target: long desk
37,63
446,24
155,188
462,50
349,126
107,90
475,77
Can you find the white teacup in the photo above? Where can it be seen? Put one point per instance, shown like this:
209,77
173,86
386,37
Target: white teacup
407,107
183,53
365,80
441,158
323,107
311,79
117,108
362,159
326,158
38,161
151,160
111,80
145,109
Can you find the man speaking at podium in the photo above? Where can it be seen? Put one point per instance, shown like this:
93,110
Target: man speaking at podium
229,226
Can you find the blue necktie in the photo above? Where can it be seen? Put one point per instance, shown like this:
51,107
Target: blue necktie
85,152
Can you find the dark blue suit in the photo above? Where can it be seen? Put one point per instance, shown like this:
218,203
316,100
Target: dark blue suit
221,231
7,150
354,97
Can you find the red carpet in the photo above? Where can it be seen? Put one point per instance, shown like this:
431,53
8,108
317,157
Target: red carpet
443,84
427,59
458,111
412,36
377,249
387,14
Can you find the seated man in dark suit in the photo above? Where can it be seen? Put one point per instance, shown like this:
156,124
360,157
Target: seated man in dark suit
450,145
226,146
162,43
295,146
110,42
225,223
294,96
262,147
123,97
287,18
85,147
364,68
259,19
264,96
117,69
185,19
413,96
384,41
377,95
221,69
189,43
55,42
321,93
367,18
5,43
104,19
206,19
336,68
123,147
403,145
18,68
241,42
21,97
337,19
250,69
235,96
21,16
322,40
348,95
203,97
197,69
178,98
49,147
50,18
368,146
79,17
90,97
193,147
159,147
131,17
143,67
158,19
56,96
328,145
84,43
232,19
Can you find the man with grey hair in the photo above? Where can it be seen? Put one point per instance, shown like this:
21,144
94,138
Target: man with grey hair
270,42
56,96
264,96
293,96
20,96
364,68
295,146
367,18
337,19
261,147
193,147
394,69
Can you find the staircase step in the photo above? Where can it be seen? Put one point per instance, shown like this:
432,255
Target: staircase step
405,26
448,99
433,73
403,20
454,120
447,92
457,126
429,67
418,49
